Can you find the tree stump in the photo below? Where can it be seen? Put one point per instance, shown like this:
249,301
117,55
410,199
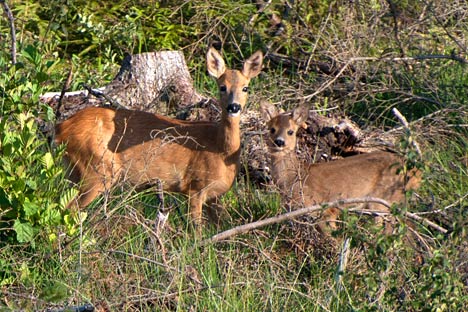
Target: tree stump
145,80
157,82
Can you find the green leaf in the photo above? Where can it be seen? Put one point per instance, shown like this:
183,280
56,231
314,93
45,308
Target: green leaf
49,112
67,196
24,231
31,184
52,215
54,292
41,77
48,160
30,208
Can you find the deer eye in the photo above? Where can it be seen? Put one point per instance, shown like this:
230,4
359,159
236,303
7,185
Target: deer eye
222,88
290,132
272,130
245,89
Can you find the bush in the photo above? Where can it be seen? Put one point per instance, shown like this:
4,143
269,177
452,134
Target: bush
33,195
31,179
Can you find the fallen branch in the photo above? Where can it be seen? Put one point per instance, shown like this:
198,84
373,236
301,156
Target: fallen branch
410,215
426,222
241,229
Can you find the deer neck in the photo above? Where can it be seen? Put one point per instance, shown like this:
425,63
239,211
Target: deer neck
229,135
285,168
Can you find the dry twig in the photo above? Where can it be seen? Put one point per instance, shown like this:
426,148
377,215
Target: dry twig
385,59
241,229
405,124
289,216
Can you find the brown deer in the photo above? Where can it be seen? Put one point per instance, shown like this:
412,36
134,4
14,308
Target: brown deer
373,174
197,158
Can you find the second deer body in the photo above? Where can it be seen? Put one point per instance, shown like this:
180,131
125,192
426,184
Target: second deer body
367,175
199,159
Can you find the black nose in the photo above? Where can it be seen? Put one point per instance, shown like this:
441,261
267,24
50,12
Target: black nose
279,142
234,108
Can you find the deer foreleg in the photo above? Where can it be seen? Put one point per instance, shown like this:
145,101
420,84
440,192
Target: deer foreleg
196,209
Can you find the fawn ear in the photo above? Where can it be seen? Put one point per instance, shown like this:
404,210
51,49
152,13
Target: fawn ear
253,65
215,63
300,115
268,111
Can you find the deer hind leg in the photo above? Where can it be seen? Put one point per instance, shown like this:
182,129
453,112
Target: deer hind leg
94,182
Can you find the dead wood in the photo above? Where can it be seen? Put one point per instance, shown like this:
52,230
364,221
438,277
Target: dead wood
154,82
146,79
241,229
329,136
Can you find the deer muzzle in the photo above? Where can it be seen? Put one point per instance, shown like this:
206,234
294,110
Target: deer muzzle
234,109
279,142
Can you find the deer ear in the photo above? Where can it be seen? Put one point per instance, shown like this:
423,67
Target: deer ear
300,116
253,65
215,63
268,111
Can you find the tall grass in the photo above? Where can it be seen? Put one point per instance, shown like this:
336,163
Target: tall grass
113,256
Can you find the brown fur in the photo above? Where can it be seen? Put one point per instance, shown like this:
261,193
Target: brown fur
366,175
199,159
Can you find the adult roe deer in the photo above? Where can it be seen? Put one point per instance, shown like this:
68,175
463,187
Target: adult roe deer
199,159
374,174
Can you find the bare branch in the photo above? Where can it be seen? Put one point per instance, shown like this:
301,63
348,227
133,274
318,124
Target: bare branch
452,56
11,19
405,124
241,229
426,222
65,87
289,216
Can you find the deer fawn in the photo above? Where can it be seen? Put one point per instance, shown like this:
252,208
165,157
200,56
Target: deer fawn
373,174
199,159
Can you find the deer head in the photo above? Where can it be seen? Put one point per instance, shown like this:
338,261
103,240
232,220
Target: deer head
283,126
233,84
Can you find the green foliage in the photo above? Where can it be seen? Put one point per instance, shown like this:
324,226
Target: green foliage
30,201
90,27
441,288
115,257
22,84
29,175
394,281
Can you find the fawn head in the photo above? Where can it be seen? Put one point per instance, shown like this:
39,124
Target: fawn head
283,127
233,84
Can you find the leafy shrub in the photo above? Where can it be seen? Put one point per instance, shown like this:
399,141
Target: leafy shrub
29,180
33,195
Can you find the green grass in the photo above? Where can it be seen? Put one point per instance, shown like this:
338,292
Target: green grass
114,258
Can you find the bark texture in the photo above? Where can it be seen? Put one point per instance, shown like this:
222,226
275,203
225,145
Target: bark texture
158,82
146,80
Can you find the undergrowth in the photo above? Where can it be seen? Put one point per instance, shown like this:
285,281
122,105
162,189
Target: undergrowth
114,256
